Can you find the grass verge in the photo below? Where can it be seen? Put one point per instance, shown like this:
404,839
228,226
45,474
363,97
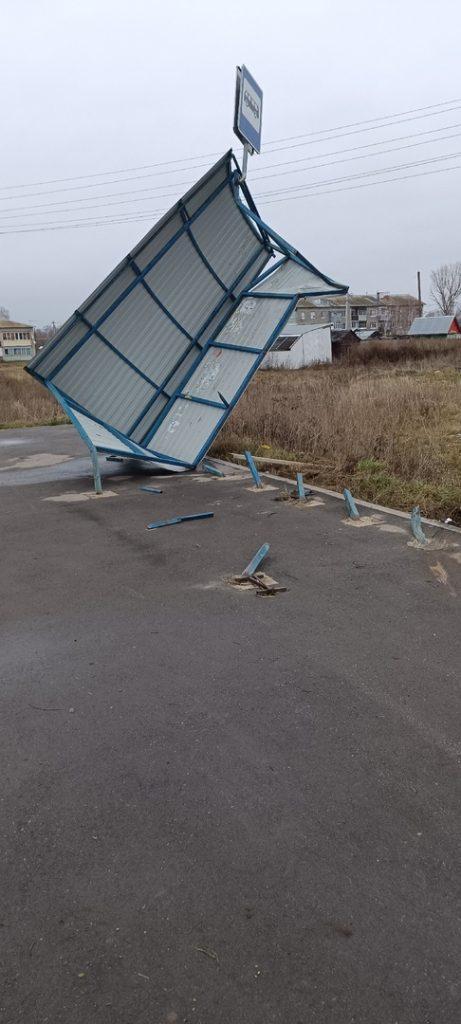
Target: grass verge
23,402
390,430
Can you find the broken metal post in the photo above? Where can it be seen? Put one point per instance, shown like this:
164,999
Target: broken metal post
351,507
253,470
96,473
416,528
83,434
212,469
256,560
300,486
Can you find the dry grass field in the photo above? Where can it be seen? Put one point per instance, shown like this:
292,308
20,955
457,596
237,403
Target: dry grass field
23,402
385,421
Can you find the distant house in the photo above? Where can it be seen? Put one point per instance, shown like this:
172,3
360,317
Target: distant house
435,327
299,346
17,341
391,315
341,341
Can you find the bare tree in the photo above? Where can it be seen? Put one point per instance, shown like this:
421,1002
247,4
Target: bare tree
446,286
4,313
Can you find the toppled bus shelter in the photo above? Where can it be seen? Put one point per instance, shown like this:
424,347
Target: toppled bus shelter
153,362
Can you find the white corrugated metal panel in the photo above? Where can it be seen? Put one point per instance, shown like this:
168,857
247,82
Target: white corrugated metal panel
93,310
292,278
190,305
256,268
253,322
182,371
141,331
102,438
147,251
49,358
230,247
148,419
185,430
220,370
121,398
203,193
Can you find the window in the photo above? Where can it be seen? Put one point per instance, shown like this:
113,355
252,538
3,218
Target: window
21,351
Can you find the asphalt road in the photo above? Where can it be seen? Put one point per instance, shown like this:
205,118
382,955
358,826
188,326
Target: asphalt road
216,807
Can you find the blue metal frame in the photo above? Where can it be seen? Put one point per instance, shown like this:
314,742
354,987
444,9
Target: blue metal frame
137,270
268,242
195,341
137,280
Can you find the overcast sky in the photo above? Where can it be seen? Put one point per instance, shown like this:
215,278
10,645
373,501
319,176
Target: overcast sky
95,86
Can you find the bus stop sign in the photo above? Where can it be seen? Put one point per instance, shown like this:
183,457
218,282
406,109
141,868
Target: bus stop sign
248,109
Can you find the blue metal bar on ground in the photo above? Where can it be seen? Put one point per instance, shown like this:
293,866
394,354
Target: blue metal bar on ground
179,519
416,527
253,469
256,560
212,469
351,507
152,490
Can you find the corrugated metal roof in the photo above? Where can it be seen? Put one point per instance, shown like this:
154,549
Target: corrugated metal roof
159,353
7,325
431,325
285,342
290,277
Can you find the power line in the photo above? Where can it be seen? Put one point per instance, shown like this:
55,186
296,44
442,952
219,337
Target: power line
360,131
18,212
104,221
353,149
345,160
204,156
255,170
371,120
12,213
365,184
361,174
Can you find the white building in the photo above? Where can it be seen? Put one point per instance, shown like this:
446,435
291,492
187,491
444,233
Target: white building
299,346
17,341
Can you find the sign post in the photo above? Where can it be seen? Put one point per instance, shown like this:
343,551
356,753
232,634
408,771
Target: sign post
248,114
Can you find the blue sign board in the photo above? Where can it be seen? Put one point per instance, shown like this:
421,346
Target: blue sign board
248,109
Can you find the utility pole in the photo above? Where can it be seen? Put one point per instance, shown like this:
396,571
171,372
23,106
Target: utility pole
418,278
348,321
